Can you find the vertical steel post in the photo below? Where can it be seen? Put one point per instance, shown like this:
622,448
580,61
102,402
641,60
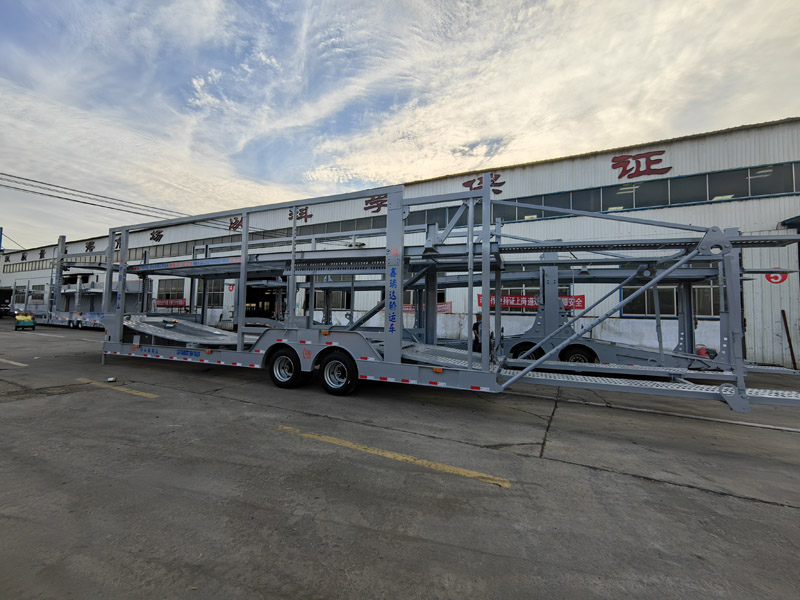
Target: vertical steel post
486,216
242,282
291,287
393,282
121,277
498,291
470,279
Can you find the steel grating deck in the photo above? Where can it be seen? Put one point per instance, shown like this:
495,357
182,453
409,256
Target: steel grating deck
652,387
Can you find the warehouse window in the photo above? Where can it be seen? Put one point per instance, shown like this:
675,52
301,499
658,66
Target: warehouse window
776,179
651,193
216,292
684,190
644,305
340,300
170,289
618,197
705,297
588,200
727,185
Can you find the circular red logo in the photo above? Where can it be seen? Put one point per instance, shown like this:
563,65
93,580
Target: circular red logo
777,277
231,287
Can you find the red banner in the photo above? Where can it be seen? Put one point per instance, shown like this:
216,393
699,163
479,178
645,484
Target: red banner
170,302
578,302
441,307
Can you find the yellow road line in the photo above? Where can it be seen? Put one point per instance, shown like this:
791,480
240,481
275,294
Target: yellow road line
499,481
11,362
118,388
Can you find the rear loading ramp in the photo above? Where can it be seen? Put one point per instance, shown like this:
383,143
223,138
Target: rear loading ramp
186,332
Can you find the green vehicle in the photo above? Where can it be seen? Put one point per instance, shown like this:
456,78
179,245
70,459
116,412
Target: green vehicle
25,321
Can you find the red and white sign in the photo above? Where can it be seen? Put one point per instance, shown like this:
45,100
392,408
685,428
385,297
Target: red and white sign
170,302
578,302
231,287
777,277
441,307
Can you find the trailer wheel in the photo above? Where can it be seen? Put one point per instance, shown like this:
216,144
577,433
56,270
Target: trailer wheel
339,373
522,348
284,369
577,354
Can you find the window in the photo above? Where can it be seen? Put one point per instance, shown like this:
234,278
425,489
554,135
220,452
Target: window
685,190
587,200
503,212
216,292
618,197
706,300
776,179
525,213
652,193
557,201
340,300
170,289
727,185
645,304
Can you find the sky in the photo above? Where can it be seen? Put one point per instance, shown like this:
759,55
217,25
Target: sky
207,105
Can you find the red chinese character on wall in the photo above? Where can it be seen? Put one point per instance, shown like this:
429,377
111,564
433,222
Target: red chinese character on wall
474,185
236,223
302,214
637,165
376,203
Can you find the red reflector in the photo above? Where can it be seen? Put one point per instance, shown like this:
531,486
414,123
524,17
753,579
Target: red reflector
252,365
383,378
474,387
363,358
362,376
185,359
406,380
329,343
434,382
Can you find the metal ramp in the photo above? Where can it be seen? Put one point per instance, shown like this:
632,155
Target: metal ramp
186,332
456,357
659,388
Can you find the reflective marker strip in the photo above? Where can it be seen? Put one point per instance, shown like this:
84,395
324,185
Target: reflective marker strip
366,358
439,383
332,343
281,340
305,342
479,388
201,360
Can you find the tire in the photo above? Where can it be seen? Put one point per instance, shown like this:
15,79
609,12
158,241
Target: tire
284,369
71,324
578,354
522,348
80,324
338,373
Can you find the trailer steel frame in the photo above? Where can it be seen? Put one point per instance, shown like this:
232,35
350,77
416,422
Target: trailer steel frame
414,257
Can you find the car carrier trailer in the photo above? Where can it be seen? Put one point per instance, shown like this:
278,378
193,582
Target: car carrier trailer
421,257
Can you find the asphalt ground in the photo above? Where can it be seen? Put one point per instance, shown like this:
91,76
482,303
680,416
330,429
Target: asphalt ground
188,481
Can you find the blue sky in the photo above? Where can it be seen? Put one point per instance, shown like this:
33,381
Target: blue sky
202,105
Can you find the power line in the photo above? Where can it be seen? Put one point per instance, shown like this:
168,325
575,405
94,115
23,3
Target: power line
87,195
13,240
81,201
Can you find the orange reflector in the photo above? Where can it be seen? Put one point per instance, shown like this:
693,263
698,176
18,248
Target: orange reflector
208,351
326,333
438,370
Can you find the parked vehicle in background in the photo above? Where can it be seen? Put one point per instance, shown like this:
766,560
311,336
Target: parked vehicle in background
25,320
